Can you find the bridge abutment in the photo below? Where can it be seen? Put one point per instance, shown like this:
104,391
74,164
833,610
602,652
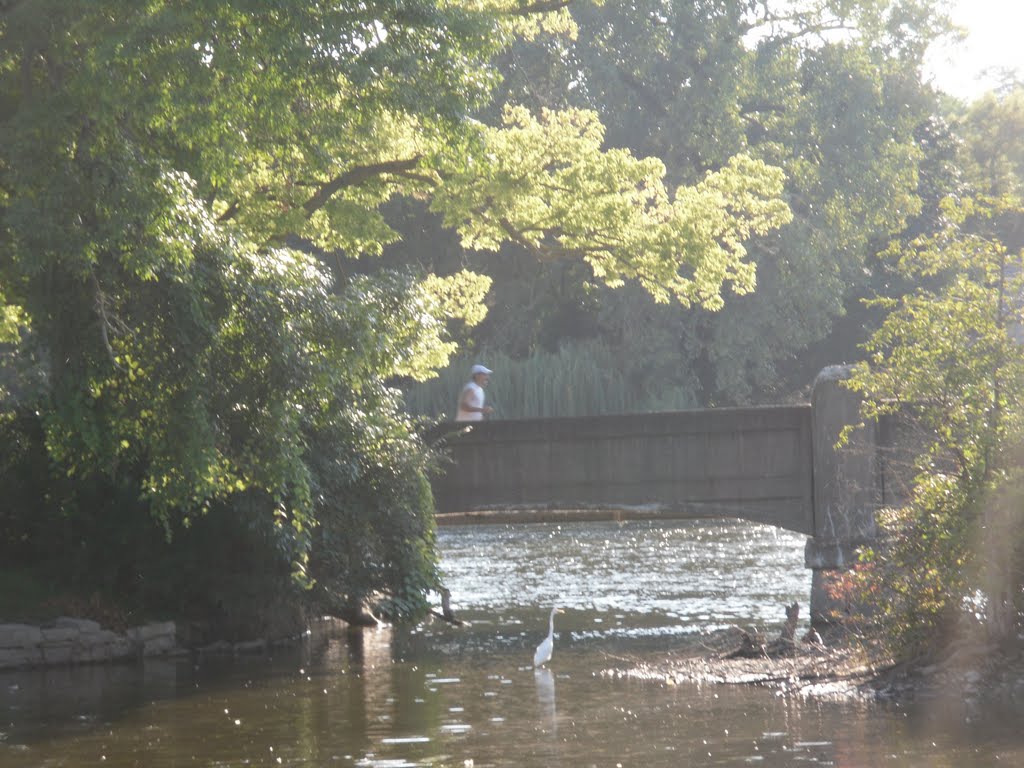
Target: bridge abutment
845,487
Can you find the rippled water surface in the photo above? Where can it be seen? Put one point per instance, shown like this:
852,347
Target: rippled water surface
446,696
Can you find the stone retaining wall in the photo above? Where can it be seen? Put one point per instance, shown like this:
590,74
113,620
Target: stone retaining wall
78,641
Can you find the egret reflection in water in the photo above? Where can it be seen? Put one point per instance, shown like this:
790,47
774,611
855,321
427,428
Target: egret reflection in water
544,679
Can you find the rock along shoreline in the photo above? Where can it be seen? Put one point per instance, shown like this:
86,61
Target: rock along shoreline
68,641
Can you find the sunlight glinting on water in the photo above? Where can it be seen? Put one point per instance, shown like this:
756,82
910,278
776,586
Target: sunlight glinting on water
626,580
442,695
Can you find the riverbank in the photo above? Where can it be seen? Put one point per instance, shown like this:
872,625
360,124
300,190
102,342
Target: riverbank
973,675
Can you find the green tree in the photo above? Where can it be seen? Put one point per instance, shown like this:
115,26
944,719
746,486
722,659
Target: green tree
948,359
831,92
992,126
159,165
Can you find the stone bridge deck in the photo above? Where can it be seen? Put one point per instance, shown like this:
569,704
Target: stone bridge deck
752,463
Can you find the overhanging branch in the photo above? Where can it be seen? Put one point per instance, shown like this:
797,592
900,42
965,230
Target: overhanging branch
354,176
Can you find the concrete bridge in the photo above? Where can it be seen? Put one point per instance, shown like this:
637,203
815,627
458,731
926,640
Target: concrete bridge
777,465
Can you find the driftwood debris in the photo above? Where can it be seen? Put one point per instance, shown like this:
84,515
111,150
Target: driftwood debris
357,615
446,609
754,645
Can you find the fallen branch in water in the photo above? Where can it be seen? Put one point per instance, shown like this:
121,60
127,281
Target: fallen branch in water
754,646
447,614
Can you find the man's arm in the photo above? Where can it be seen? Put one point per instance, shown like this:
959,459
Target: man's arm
466,404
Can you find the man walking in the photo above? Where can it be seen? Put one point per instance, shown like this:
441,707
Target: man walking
471,400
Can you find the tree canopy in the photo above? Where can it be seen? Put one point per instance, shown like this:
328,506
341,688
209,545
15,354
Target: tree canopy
829,92
174,182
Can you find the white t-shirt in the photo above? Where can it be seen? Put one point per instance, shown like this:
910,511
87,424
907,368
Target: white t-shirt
473,394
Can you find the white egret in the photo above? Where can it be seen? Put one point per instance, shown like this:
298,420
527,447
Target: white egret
543,653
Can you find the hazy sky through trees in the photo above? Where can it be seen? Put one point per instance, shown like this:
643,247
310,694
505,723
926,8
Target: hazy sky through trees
993,42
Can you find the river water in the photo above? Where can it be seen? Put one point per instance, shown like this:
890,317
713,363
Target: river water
469,697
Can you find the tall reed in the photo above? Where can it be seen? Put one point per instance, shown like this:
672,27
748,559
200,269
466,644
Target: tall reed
581,379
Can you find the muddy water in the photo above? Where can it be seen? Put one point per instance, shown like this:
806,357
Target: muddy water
444,696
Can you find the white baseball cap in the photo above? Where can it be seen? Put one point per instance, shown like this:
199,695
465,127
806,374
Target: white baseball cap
480,369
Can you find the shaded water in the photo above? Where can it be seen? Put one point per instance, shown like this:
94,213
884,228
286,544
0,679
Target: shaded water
444,696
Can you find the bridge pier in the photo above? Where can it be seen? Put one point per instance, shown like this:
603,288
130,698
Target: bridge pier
845,487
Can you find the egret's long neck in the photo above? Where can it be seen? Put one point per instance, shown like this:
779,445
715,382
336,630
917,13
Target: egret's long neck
551,622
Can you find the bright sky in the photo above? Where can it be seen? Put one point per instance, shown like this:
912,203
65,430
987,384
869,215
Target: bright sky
995,39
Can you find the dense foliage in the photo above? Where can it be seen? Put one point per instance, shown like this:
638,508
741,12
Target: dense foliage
948,359
196,372
831,92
